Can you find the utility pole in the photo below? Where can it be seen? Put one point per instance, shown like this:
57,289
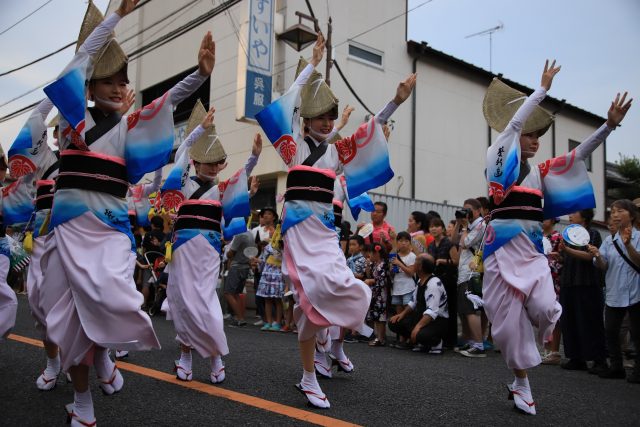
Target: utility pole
327,74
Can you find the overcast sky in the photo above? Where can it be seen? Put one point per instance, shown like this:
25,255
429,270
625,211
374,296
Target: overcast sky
596,41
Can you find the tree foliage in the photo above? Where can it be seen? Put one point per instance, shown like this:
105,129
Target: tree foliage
629,168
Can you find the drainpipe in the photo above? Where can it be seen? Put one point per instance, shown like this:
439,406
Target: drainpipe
414,103
413,131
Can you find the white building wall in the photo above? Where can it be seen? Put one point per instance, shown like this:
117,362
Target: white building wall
451,133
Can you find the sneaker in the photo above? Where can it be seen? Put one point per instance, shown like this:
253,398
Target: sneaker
258,323
348,338
275,327
436,349
266,327
466,346
419,348
552,358
473,352
226,316
285,328
574,365
488,345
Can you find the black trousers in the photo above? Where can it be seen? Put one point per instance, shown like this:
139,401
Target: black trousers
451,334
582,322
429,336
613,317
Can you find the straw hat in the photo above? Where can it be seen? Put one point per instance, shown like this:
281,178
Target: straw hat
317,97
208,148
54,122
501,103
111,58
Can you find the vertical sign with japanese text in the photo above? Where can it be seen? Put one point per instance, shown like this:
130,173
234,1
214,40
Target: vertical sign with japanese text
259,57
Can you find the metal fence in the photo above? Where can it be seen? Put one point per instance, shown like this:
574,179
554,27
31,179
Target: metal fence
399,209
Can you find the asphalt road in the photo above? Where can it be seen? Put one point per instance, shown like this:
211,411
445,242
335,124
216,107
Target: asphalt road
389,387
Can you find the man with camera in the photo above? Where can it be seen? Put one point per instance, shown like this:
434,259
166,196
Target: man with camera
468,234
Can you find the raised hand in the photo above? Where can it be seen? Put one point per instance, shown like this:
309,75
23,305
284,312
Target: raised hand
318,50
254,185
386,130
549,73
126,7
207,55
256,149
625,235
344,119
618,110
207,122
404,89
127,101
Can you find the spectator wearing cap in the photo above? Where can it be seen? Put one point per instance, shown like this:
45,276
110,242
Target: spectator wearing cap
268,220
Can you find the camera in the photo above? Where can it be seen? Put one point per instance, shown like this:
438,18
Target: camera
463,213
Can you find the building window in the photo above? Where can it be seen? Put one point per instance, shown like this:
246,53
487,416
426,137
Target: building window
572,145
365,54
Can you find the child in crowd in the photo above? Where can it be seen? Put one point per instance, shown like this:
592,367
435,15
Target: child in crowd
403,283
379,292
357,262
271,286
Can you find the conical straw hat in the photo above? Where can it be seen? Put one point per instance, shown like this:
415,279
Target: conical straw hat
111,58
501,103
54,122
317,97
208,148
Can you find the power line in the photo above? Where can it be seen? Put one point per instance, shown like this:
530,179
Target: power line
38,60
353,92
28,15
202,18
48,55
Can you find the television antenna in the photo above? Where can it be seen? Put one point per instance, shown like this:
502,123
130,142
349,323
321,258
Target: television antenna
490,32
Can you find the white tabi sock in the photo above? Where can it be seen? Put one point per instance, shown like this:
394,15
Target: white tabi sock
217,370
216,363
309,380
311,389
83,406
337,349
522,396
185,361
53,367
521,382
111,378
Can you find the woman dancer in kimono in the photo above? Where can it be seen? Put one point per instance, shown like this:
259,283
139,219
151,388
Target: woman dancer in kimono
31,159
88,257
193,271
518,289
324,296
8,300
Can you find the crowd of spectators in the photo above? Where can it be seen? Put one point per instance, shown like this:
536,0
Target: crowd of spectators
426,283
